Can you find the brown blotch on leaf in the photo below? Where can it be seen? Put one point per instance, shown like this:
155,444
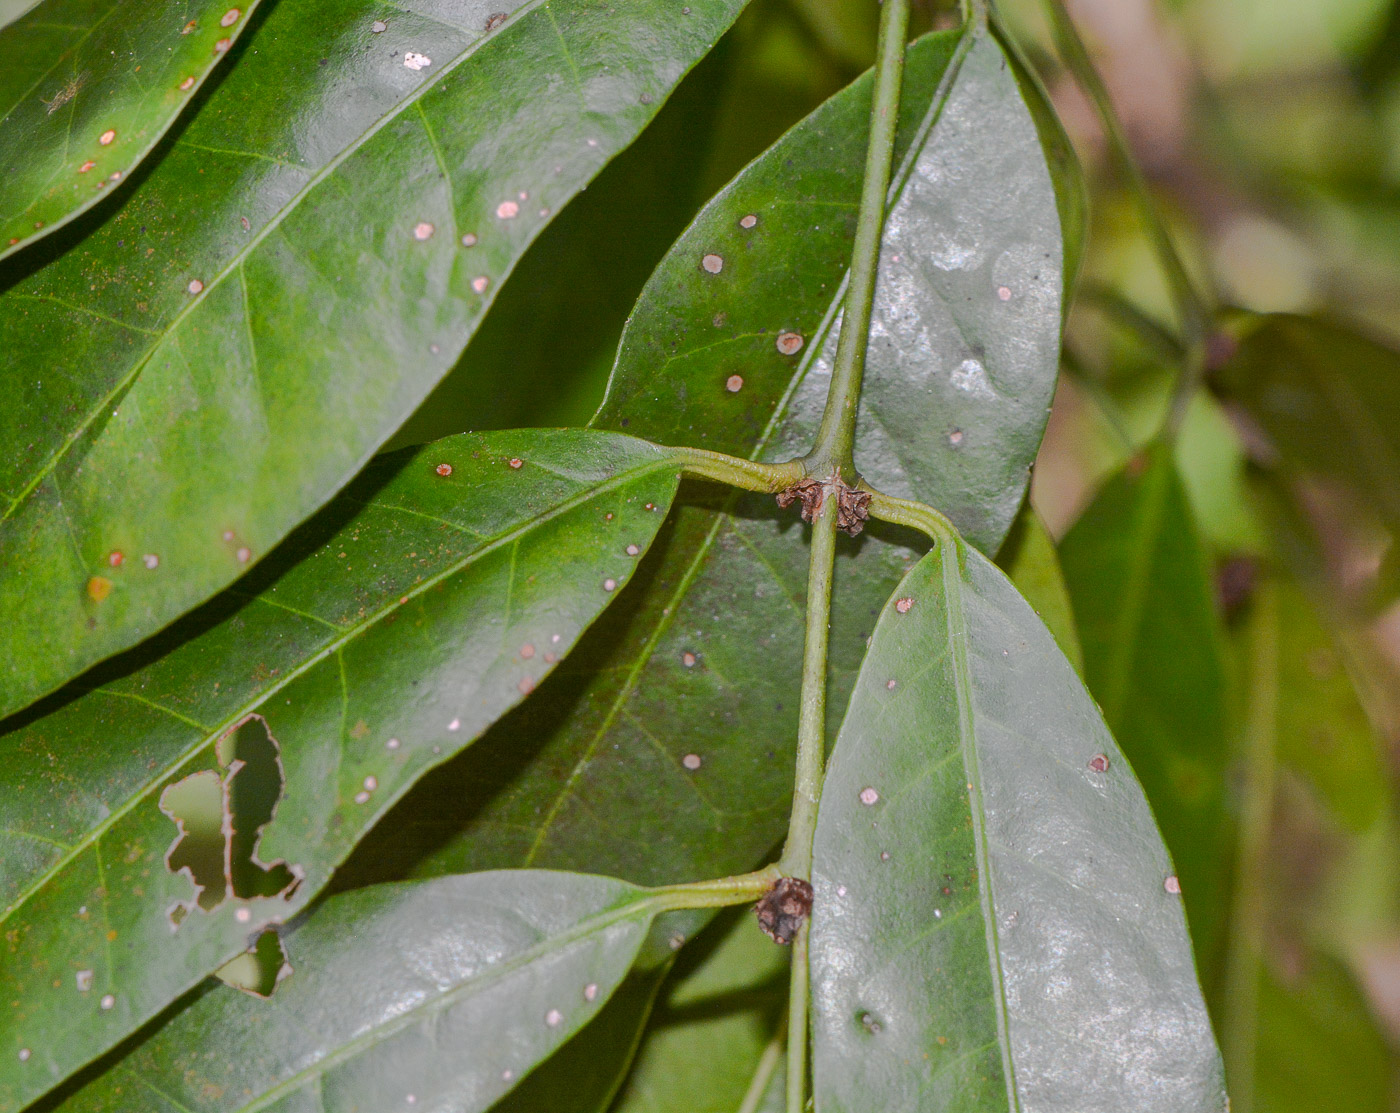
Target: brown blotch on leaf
98,588
784,908
494,20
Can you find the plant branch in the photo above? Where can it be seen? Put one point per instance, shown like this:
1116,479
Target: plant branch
906,512
1192,311
799,997
1239,1030
833,451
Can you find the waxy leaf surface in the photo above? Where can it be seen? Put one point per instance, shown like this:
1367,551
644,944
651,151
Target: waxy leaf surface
87,89
1028,557
429,599
209,366
1144,602
434,994
964,341
994,926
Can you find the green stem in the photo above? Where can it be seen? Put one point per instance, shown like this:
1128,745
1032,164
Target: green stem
1191,309
915,515
720,892
1239,1029
799,993
835,443
737,472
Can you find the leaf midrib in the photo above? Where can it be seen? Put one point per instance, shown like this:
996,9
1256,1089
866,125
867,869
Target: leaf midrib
640,902
237,260
94,834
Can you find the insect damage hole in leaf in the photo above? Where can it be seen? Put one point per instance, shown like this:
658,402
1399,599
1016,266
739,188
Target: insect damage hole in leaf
221,816
260,969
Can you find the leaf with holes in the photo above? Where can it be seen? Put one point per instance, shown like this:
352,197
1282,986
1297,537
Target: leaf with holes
443,994
428,600
1154,658
712,632
75,117
996,923
309,258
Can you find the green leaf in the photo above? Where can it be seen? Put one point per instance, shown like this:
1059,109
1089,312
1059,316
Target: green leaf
707,1038
1028,557
427,601
1154,657
450,991
1319,1047
1328,400
966,327
994,926
87,90
183,385
1324,733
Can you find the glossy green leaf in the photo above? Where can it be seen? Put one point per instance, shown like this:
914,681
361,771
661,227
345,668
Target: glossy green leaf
1328,400
702,656
709,1034
1324,733
1028,557
450,991
995,925
206,368
1144,601
433,595
965,334
87,89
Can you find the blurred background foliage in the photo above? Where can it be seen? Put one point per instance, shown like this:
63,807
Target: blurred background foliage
1253,542
1254,547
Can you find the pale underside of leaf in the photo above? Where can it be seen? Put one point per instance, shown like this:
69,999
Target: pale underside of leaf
191,387
993,925
460,574
436,994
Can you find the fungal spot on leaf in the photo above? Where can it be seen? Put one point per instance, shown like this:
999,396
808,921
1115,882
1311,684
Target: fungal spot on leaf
187,85
1004,293
469,240
230,17
1099,763
609,584
444,470
590,991
869,1022
748,221
195,286
691,762
83,978
554,1018
222,46
790,343
378,27
903,605
220,815
734,384
98,588
480,284
106,137
260,969
784,908
115,558
688,660
507,210
107,1002
85,167
632,550
415,61
869,797
422,231
24,1054
1172,885
955,437
712,264
494,20
516,462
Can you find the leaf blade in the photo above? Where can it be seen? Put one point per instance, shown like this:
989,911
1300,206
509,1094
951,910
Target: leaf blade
509,964
938,906
434,606
64,153
223,379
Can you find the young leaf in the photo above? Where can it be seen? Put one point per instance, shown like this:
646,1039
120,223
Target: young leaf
229,348
965,334
436,994
1154,658
75,117
452,579
1028,557
996,923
